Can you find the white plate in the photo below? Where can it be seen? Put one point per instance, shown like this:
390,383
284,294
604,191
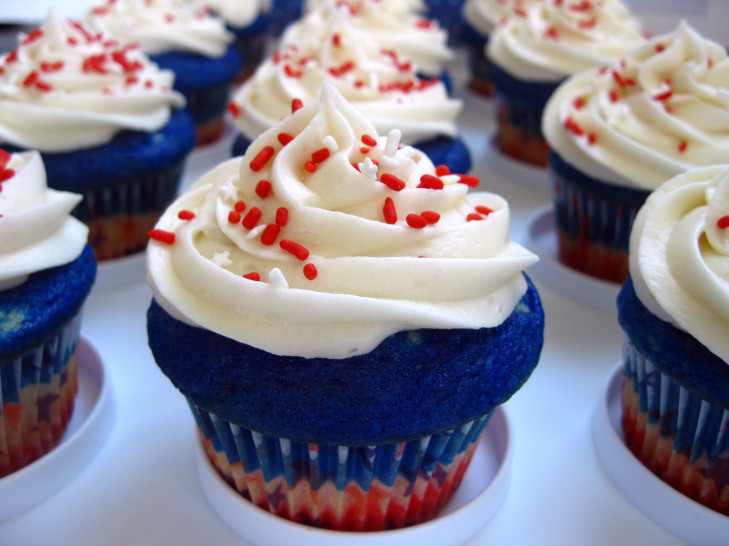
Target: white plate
121,272
474,503
678,514
204,158
512,170
91,421
542,239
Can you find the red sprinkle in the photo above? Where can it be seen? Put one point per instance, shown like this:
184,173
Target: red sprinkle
389,211
234,109
310,166
660,47
270,234
285,138
186,215
282,216
252,276
392,182
258,162
368,140
664,96
234,217
682,146
355,166
166,237
31,79
6,174
416,221
442,170
484,210
240,206
723,222
294,248
320,155
263,188
470,181
430,182
4,157
591,138
613,94
430,216
579,102
296,104
43,86
473,217
251,219
336,40
364,149
571,125
310,271
552,33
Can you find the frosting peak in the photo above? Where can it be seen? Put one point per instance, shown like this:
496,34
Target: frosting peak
352,236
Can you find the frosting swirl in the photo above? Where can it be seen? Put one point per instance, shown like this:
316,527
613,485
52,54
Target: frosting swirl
160,26
484,15
37,231
660,111
64,88
349,251
550,40
679,255
235,12
391,24
378,83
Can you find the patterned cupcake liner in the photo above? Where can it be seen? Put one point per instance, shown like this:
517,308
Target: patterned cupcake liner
594,220
368,488
120,214
38,391
680,437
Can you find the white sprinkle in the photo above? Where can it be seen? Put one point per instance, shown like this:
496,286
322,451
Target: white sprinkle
228,191
330,144
368,168
222,259
256,231
450,179
393,141
389,162
276,278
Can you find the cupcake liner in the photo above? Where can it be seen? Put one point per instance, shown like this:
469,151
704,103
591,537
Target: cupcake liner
37,391
594,220
364,488
680,437
478,63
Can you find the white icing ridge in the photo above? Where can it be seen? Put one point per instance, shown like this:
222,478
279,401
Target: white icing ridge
679,255
65,88
37,231
381,85
548,41
238,13
160,26
485,15
372,278
660,111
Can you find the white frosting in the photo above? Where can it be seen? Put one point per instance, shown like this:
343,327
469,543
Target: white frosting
373,278
679,255
37,231
382,86
159,26
484,15
64,88
391,24
670,114
547,41
238,13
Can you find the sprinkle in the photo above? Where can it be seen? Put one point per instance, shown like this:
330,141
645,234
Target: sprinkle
442,170
255,232
284,138
4,157
30,80
613,94
222,259
364,149
591,138
51,67
263,188
579,102
392,182
660,48
310,271
393,141
234,109
355,167
291,72
430,216
258,162
369,168
320,155
368,140
186,215
329,142
253,276
588,23
234,217
276,277
240,206
663,96
552,33
723,222
251,219
295,249
388,210
470,181
95,63
43,86
484,210
166,237
571,125
6,174
473,217
390,163
270,234
282,216
430,182
682,146
336,40
296,104
310,166
416,221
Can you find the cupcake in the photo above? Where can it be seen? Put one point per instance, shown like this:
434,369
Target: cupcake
674,311
249,22
380,84
539,46
283,13
618,133
106,123
321,394
190,42
46,272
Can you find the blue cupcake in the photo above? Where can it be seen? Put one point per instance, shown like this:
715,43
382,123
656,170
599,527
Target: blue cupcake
46,272
346,326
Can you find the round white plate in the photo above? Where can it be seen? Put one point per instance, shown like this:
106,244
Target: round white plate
678,514
514,171
542,239
474,503
121,272
91,421
204,158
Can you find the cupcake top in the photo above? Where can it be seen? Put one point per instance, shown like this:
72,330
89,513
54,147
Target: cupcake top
236,12
64,87
392,24
377,82
658,112
161,26
287,249
550,40
484,15
37,231
679,255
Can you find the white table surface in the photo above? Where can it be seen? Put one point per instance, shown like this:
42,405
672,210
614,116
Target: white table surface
142,486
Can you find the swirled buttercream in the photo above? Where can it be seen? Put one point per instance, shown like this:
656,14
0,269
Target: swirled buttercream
679,255
37,231
64,87
660,111
485,15
548,41
352,236
160,26
391,24
378,83
237,13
